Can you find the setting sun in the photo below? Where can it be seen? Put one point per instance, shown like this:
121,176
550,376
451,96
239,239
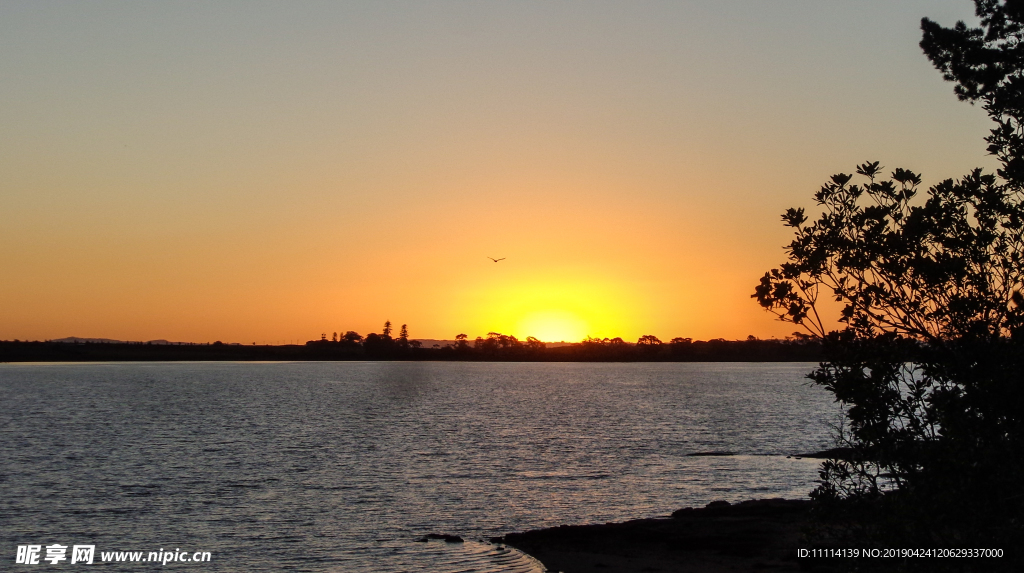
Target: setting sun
550,304
554,326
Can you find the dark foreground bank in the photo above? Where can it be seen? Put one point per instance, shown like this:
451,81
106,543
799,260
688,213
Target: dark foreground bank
758,535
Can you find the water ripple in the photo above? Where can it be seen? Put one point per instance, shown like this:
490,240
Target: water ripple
342,466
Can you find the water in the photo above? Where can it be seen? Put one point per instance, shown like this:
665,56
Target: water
343,466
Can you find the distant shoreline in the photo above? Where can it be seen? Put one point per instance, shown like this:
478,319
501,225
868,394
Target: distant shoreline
696,351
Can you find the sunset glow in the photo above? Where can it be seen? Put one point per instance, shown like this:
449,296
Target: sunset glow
268,174
554,326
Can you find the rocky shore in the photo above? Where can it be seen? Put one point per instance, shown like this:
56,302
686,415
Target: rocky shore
757,535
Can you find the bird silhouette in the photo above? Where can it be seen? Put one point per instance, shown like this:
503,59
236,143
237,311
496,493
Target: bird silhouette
496,260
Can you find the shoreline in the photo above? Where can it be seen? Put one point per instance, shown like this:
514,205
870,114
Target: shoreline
325,350
752,535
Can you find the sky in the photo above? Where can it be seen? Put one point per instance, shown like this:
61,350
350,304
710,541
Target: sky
270,171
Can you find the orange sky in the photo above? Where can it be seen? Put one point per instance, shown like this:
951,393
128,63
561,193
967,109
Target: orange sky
266,172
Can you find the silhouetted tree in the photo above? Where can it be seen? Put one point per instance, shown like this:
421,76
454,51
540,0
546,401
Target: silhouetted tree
352,337
496,343
928,363
379,346
534,344
403,336
387,328
985,64
606,349
648,340
680,348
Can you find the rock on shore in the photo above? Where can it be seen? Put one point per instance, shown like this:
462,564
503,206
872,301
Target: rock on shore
761,535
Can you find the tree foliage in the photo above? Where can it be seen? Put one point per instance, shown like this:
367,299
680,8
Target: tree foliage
987,66
648,340
944,269
928,361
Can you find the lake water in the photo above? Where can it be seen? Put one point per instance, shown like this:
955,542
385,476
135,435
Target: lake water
343,466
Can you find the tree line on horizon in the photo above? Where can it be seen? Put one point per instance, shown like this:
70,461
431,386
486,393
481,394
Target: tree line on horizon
495,347
498,346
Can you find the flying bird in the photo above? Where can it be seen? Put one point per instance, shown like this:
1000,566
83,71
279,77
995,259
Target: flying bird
496,260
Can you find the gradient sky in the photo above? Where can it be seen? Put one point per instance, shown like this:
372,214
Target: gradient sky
268,171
